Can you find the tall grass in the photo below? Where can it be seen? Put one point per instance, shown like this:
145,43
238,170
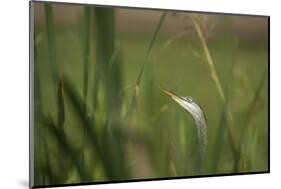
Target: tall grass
240,162
215,78
86,49
151,43
148,67
217,146
111,80
51,42
93,131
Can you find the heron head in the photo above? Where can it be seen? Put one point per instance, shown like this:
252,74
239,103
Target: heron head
187,102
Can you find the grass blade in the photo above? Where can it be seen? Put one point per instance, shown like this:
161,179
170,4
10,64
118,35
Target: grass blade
61,110
155,34
223,118
215,78
109,65
257,93
66,147
51,41
86,49
133,102
76,101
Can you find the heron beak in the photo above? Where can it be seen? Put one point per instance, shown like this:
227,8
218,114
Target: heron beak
172,95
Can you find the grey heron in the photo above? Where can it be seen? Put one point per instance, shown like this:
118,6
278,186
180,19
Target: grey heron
189,104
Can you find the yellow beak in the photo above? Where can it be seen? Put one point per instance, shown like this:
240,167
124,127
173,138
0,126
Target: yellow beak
172,95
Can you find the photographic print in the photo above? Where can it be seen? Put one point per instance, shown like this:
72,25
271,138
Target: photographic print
123,94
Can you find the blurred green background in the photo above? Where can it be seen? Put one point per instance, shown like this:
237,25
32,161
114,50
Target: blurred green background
99,112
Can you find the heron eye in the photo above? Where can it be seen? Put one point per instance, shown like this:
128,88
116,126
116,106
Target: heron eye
189,99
